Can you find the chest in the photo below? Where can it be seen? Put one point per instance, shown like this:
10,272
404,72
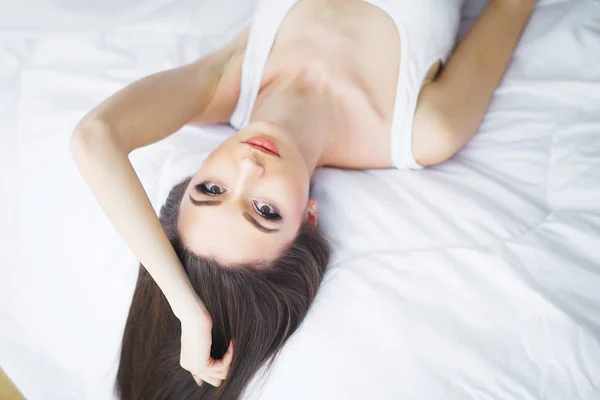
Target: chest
358,46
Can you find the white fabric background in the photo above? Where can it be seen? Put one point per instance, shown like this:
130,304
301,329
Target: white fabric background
477,279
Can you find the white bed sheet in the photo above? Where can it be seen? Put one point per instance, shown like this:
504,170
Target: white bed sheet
478,279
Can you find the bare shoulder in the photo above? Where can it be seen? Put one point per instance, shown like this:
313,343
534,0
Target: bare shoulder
228,62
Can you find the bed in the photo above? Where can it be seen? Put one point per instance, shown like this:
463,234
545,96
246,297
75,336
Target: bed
475,279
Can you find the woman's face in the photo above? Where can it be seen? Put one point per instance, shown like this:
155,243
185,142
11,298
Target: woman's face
246,204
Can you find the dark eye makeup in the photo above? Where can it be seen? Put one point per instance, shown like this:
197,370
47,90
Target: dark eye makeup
263,209
210,188
266,211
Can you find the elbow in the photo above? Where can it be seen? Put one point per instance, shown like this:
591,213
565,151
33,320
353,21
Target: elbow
436,144
88,136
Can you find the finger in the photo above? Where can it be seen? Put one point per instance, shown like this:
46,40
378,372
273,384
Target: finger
216,382
217,371
224,363
197,379
218,374
211,363
228,356
218,365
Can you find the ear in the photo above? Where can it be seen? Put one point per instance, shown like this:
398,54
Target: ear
312,213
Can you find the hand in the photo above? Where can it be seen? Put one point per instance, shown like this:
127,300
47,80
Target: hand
196,340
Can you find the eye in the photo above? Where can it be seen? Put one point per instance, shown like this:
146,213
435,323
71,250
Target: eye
266,210
210,188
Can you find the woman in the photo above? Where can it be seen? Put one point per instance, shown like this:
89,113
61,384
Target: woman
236,256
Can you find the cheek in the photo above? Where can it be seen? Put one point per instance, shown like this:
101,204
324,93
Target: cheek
217,153
227,147
220,159
299,191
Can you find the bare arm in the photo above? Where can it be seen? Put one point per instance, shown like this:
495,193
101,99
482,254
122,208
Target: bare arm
140,114
451,108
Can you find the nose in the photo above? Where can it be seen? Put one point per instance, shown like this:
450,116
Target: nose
250,170
251,166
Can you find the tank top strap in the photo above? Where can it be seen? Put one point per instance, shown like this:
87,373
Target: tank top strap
267,19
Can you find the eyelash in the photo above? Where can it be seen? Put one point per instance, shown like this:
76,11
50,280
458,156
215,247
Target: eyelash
202,188
274,216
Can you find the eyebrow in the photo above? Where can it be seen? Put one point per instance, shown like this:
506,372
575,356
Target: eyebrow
258,226
247,216
205,202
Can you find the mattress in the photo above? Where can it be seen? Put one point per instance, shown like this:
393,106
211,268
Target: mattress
475,279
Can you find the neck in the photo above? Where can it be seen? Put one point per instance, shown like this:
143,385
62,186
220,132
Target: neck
301,108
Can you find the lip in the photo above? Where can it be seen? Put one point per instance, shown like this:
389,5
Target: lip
264,145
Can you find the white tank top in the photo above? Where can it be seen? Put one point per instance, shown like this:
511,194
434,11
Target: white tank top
427,30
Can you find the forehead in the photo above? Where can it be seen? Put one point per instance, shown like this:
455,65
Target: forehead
221,232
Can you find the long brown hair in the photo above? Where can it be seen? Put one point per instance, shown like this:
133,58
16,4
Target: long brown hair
260,308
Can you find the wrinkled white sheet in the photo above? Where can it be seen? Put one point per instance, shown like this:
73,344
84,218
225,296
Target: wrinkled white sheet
477,279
